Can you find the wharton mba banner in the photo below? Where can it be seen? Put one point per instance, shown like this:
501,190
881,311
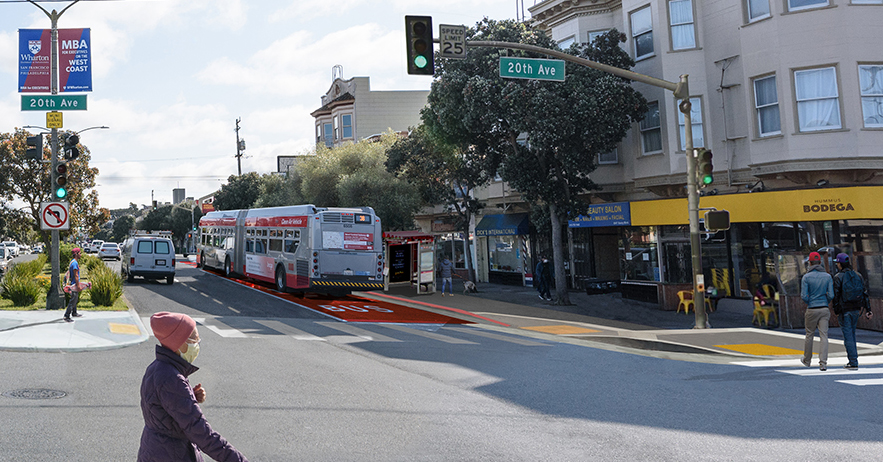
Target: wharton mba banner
74,60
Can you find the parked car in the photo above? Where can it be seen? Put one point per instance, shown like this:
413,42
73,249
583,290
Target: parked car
38,248
150,257
11,246
109,250
94,247
4,259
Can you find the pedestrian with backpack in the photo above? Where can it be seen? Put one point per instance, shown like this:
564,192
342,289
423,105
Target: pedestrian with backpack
817,290
849,302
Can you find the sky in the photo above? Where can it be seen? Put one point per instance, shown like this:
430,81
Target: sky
170,78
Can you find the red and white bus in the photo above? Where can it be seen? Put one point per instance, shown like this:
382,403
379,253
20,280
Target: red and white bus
298,247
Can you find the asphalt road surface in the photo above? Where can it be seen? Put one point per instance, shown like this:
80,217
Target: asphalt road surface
288,383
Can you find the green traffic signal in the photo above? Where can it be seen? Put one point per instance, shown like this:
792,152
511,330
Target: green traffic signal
704,167
60,180
418,32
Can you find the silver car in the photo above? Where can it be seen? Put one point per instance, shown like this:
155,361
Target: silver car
109,250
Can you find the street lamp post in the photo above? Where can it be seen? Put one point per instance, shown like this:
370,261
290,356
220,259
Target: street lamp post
54,299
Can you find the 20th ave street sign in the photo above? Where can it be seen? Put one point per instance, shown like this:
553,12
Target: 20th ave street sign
53,102
532,68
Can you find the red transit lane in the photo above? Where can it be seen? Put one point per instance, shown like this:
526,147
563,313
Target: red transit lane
351,308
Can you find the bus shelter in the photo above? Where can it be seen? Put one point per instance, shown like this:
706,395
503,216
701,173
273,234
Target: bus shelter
410,259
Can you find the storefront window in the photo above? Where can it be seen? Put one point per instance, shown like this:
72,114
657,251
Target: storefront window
637,253
453,247
504,254
866,242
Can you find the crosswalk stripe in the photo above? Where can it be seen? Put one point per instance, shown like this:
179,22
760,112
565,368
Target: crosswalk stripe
862,382
358,332
227,333
430,335
816,371
495,336
287,330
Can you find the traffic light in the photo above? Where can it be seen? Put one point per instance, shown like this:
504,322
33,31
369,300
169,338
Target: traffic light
59,189
717,220
71,151
154,205
418,30
35,147
704,168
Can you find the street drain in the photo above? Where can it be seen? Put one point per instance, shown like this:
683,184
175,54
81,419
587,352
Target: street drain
35,393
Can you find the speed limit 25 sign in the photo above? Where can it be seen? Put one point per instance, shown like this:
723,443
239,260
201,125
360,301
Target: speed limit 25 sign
452,40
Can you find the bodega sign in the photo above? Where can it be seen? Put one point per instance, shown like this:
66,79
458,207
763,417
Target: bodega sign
35,56
831,205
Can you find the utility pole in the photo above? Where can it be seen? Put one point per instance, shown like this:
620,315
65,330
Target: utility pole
240,146
54,299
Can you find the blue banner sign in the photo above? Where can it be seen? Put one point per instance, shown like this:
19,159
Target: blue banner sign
612,214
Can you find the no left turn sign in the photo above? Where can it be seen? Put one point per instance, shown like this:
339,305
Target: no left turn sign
54,216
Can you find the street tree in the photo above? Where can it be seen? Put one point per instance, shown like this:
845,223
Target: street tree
443,174
27,180
121,227
354,174
545,135
279,190
240,192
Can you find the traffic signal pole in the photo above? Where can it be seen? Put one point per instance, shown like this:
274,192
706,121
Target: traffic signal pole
681,90
54,298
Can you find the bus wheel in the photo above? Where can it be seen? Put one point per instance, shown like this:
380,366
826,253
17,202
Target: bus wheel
228,267
280,279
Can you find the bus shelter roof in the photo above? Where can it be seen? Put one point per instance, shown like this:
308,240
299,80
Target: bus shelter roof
407,237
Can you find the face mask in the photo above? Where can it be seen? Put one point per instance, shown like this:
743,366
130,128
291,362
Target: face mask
192,352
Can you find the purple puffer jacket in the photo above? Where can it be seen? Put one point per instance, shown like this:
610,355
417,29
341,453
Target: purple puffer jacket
174,426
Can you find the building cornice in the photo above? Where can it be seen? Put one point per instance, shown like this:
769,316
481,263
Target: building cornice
551,13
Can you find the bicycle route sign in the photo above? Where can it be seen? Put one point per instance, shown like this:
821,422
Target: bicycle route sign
55,216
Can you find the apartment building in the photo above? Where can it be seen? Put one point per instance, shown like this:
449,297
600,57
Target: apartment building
351,111
788,95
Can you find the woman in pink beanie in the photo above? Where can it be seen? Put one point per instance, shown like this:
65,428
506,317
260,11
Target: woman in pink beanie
174,426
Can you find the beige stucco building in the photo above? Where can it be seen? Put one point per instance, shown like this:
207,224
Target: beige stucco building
351,111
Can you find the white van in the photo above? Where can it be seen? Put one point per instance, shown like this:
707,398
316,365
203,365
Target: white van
11,248
149,257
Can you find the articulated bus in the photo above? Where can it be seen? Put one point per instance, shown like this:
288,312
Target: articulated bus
299,248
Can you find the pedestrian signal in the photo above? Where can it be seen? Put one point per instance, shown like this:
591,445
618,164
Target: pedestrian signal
35,147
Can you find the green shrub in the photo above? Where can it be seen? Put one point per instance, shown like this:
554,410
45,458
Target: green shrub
30,268
22,289
65,255
90,262
107,286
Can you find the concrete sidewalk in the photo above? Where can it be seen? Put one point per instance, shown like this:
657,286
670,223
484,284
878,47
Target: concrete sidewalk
46,331
609,319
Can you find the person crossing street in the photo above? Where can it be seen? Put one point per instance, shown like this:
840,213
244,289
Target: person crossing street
817,290
849,302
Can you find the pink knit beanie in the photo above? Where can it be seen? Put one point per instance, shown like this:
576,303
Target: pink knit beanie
172,329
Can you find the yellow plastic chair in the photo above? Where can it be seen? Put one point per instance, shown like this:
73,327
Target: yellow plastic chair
685,298
686,301
764,311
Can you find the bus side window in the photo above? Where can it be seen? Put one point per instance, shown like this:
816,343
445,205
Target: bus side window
260,246
249,245
276,245
291,245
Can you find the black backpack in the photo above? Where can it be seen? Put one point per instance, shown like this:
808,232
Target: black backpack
852,289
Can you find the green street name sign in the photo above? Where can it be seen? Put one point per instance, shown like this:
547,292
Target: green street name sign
53,102
532,68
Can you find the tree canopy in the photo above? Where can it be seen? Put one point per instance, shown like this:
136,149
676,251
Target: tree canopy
544,136
28,180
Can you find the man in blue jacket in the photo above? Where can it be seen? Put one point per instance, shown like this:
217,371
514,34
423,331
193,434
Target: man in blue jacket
817,290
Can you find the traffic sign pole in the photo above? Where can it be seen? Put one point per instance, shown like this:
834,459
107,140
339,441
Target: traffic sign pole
54,298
